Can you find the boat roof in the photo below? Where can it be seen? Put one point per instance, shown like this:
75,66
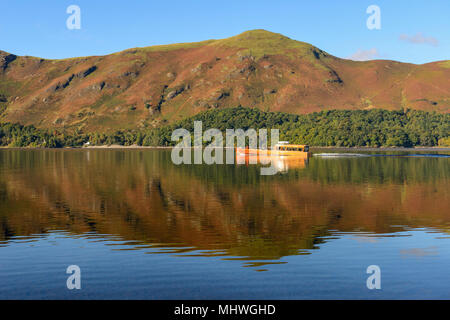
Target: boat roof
292,145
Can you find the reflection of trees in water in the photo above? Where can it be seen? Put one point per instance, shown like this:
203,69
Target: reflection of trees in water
342,170
229,210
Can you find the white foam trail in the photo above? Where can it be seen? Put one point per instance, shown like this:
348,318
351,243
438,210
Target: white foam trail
340,155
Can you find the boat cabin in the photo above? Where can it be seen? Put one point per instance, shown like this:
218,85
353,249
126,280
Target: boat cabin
285,146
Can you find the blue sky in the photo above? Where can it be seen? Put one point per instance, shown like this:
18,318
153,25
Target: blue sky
411,31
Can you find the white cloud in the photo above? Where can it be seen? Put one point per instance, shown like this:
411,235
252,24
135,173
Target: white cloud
363,55
419,38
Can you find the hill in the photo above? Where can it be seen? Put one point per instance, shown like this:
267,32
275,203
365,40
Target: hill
154,86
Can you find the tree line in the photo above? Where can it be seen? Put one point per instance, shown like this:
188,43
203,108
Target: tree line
342,128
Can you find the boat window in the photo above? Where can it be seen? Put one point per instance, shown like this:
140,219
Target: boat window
300,149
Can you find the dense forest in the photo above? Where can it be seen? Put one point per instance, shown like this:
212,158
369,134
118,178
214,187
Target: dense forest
343,128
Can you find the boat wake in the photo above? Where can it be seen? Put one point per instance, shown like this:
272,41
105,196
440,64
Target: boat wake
340,155
354,155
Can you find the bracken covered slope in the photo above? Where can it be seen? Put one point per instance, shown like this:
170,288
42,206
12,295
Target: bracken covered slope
147,87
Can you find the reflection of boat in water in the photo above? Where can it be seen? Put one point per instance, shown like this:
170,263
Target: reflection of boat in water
283,156
281,149
281,163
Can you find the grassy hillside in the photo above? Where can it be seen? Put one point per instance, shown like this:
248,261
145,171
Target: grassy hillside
145,88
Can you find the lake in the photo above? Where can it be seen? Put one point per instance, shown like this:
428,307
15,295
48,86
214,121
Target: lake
140,227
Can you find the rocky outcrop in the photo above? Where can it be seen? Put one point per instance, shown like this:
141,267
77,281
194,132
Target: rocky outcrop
85,73
176,91
61,84
6,59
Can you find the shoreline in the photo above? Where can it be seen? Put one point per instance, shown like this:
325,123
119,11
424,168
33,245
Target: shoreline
170,147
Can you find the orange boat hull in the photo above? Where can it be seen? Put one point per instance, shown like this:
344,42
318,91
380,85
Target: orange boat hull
269,152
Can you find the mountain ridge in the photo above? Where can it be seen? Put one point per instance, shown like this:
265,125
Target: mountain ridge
152,86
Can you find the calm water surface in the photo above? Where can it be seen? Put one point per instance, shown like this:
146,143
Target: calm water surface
140,227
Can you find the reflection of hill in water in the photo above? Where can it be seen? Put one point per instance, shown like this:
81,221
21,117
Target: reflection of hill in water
142,197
